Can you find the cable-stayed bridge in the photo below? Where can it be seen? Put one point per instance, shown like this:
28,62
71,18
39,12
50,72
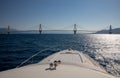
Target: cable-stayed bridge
75,28
71,28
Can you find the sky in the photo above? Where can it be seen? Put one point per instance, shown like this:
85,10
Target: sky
59,14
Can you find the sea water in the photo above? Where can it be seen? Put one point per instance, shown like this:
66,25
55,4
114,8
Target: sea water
16,48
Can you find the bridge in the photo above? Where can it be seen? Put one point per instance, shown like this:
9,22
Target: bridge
75,28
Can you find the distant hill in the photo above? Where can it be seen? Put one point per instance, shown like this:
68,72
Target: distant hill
114,31
14,31
47,32
5,31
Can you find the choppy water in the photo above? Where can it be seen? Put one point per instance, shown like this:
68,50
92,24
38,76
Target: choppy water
103,48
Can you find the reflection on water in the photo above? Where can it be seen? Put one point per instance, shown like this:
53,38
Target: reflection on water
104,48
106,51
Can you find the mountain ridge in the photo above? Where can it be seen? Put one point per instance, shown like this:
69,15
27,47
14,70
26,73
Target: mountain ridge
114,31
15,31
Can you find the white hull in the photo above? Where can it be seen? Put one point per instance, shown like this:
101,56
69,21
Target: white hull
74,64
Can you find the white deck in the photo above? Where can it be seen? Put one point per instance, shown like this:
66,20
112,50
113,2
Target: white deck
74,64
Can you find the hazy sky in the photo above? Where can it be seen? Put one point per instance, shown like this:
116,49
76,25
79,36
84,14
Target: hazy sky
88,14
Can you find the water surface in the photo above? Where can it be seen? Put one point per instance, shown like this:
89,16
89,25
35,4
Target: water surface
104,48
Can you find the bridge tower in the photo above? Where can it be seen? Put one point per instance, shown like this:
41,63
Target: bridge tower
110,30
75,29
40,29
8,31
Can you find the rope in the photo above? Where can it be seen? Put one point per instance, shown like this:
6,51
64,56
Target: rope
33,56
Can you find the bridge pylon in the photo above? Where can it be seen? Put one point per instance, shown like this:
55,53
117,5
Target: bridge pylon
40,29
110,30
75,29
